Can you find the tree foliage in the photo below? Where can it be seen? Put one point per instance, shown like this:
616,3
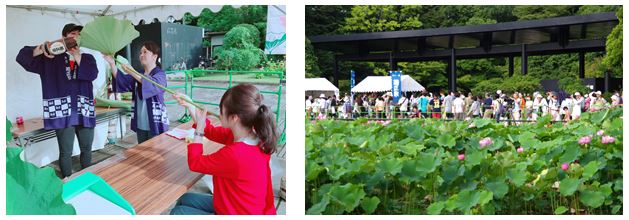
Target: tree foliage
239,51
375,18
613,59
312,69
326,20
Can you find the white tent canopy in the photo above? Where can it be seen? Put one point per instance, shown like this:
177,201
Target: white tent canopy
81,14
383,84
314,86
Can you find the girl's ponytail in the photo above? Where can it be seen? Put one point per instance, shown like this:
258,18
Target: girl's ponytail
265,129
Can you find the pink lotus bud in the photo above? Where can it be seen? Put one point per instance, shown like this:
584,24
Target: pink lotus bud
484,142
600,132
565,166
585,140
608,139
461,156
520,150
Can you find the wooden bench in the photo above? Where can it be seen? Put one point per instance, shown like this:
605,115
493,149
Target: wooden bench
152,175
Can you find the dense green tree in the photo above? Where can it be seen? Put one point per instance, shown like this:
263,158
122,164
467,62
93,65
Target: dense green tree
228,17
429,74
533,12
376,18
312,67
592,9
239,51
325,19
613,59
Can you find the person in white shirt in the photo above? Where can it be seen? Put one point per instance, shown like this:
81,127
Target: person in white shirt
579,101
529,107
553,104
567,103
403,103
517,102
474,110
458,106
543,105
495,106
317,109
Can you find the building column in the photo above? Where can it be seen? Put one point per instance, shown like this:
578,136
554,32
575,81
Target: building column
581,65
452,78
525,60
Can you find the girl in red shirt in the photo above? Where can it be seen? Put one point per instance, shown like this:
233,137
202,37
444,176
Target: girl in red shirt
241,171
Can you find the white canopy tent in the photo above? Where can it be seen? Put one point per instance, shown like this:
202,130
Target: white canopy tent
317,86
32,25
383,84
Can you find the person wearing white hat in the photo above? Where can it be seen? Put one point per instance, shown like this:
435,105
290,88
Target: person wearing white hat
317,105
615,100
539,106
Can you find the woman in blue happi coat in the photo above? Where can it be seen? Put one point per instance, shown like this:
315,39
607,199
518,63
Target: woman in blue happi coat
149,114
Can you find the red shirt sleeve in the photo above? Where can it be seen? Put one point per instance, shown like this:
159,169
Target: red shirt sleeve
217,134
221,163
269,208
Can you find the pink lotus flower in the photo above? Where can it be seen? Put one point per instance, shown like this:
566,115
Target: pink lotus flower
520,150
484,142
385,123
565,166
608,139
600,132
461,156
585,140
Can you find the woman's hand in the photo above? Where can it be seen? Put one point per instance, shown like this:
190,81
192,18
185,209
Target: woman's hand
200,115
200,131
191,108
112,64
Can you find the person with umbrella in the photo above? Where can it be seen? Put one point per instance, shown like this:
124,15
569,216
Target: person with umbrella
67,91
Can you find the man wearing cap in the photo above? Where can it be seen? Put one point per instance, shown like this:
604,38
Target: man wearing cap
68,100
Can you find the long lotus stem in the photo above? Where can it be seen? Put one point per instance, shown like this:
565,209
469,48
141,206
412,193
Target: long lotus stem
128,69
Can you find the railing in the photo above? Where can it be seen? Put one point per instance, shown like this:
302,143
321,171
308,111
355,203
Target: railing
189,83
189,87
505,117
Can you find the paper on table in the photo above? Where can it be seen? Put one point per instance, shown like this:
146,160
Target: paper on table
90,203
181,133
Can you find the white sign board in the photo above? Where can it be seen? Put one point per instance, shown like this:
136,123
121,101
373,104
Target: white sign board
275,30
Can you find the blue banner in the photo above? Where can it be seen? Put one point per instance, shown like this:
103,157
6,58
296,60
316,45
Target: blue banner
353,79
396,85
353,83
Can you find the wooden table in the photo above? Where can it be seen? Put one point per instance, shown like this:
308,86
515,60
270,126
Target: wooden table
32,131
152,175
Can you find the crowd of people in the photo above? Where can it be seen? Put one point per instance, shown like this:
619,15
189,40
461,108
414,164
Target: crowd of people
516,107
